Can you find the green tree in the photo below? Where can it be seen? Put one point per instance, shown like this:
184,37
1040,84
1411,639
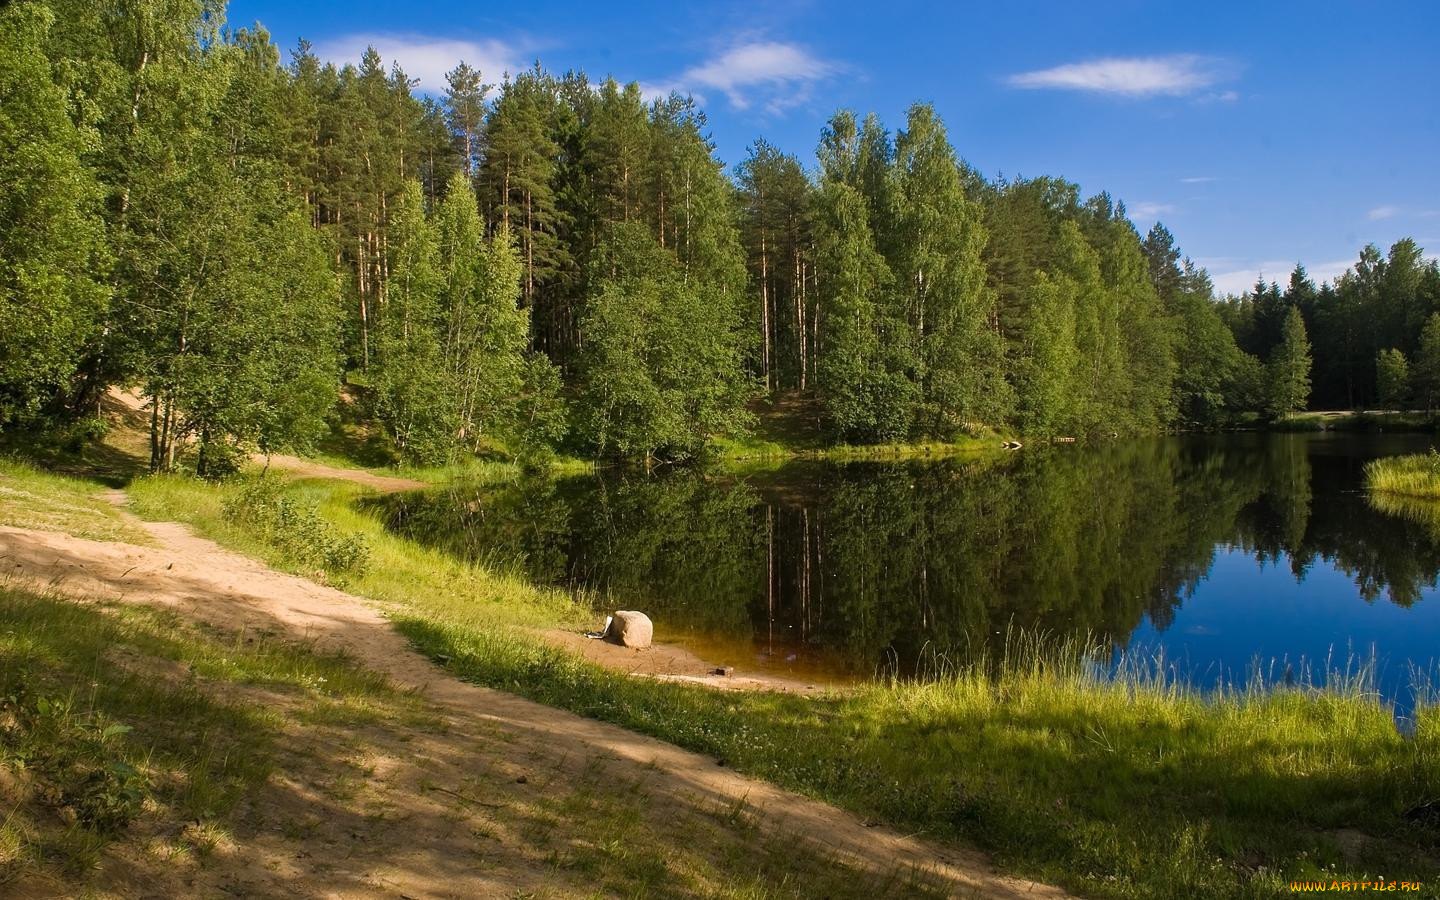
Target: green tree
519,177
236,337
939,272
53,256
485,332
1392,378
862,378
465,114
412,393
775,194
1289,368
661,370
1426,377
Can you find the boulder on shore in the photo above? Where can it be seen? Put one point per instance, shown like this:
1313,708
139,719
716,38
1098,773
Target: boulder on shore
631,629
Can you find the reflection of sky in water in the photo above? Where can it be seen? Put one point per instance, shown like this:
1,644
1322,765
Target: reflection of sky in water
1245,611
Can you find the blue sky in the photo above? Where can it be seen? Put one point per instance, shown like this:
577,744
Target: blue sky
1260,133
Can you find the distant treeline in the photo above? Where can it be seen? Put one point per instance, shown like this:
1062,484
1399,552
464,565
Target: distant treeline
549,262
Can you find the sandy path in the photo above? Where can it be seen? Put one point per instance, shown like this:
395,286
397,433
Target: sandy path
309,468
202,580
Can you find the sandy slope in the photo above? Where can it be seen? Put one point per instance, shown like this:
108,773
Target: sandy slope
417,849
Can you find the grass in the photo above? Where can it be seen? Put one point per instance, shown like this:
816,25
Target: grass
1134,787
30,498
757,448
399,574
1361,420
1128,788
1415,477
789,426
92,693
183,738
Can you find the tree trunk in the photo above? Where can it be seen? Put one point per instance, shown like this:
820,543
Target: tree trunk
765,311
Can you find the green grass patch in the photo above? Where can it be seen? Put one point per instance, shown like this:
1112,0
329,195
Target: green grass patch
30,498
1414,476
110,721
399,572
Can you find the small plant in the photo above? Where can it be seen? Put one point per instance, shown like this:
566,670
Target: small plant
77,761
297,530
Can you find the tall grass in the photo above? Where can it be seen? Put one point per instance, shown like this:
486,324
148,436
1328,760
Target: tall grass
1417,475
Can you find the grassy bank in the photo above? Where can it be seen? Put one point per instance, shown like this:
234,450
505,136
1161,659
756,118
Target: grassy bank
748,449
1416,476
1114,789
789,426
1136,788
1364,420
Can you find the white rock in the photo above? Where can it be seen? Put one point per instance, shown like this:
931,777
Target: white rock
631,629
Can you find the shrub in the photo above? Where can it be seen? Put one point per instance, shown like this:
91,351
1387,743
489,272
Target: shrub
297,530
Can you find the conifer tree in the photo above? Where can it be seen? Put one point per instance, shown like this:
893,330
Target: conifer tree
1426,371
1289,368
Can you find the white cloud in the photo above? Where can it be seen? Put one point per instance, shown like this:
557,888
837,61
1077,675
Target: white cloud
426,59
1382,212
1199,179
778,74
1136,76
1148,210
1241,278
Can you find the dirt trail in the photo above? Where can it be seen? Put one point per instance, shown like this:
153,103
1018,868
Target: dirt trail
205,582
309,468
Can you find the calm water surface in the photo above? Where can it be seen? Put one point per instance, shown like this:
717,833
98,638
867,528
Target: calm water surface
1220,552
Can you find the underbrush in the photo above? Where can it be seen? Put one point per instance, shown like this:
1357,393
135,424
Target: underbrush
296,530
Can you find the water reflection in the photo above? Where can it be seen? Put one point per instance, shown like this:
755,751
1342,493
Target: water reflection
843,567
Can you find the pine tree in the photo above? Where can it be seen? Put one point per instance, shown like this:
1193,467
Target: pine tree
1289,368
465,114
518,178
775,228
1426,377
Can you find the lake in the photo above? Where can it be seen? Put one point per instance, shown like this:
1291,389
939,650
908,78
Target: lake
1228,554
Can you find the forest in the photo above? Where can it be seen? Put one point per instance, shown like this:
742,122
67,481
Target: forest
539,262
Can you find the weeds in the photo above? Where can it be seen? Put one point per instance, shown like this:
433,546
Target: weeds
79,762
